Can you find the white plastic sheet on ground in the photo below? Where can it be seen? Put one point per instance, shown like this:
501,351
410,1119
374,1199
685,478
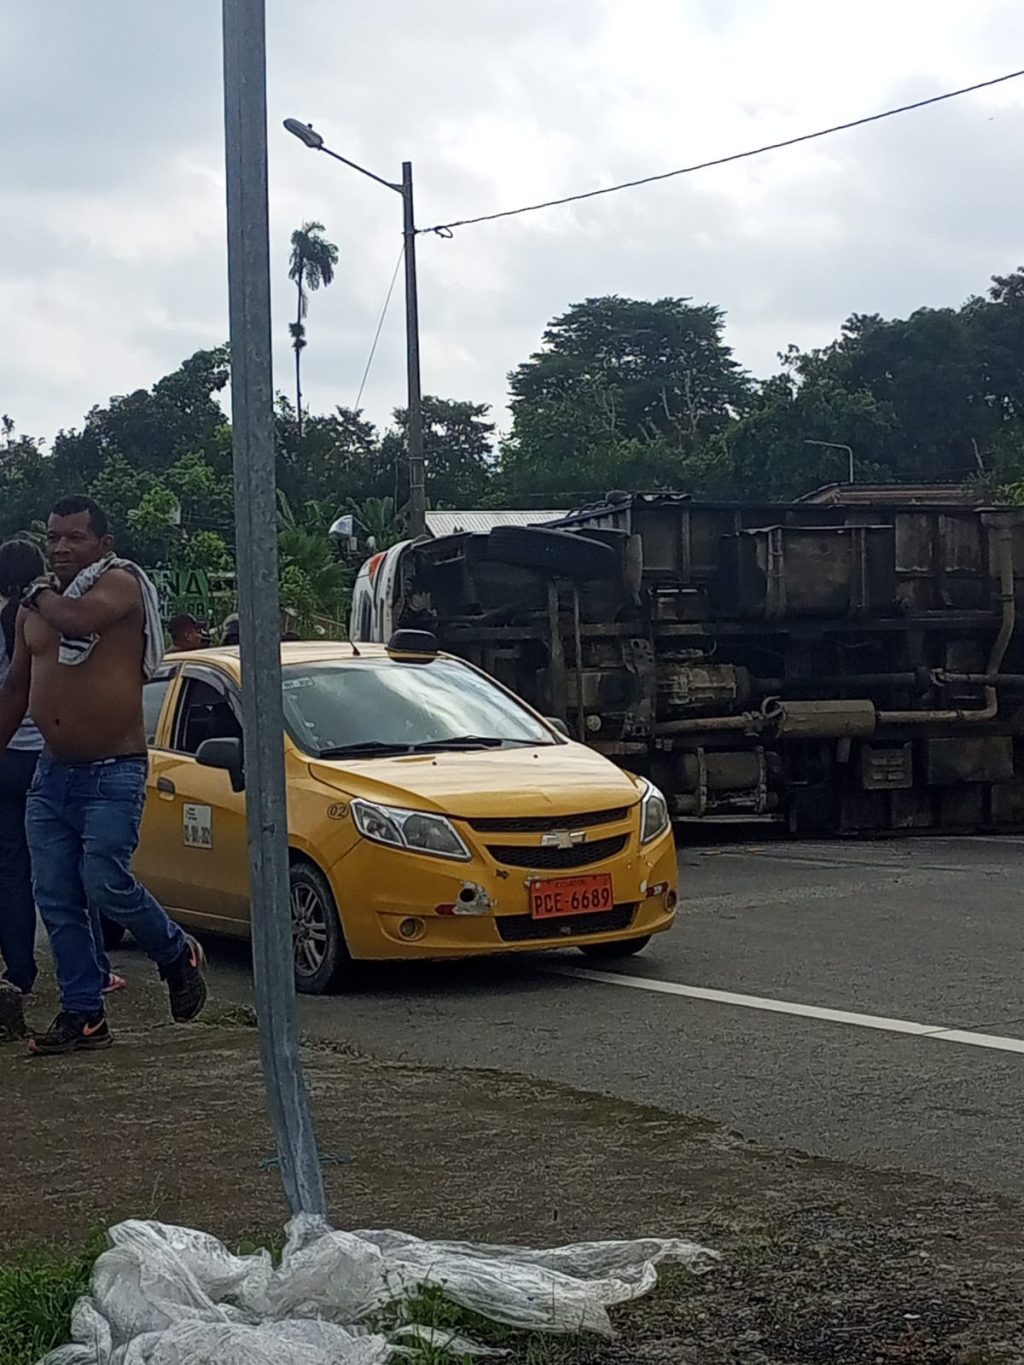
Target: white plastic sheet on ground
165,1295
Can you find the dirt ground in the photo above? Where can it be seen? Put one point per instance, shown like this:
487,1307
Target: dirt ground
822,1262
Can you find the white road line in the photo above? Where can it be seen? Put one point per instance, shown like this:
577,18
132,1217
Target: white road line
994,1041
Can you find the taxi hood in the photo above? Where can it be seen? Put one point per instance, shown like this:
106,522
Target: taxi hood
564,779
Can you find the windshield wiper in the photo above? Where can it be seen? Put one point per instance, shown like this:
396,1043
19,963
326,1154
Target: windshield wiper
363,746
373,748
462,742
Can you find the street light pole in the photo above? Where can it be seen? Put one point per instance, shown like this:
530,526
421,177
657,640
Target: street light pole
308,135
417,491
835,445
252,420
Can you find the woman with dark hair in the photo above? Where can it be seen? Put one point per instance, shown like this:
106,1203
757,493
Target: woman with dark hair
20,563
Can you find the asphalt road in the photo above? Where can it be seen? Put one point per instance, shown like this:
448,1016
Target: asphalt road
919,932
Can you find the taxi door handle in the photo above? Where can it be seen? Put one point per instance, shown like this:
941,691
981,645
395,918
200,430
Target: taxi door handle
165,786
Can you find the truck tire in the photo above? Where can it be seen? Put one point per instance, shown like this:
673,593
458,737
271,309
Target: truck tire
559,554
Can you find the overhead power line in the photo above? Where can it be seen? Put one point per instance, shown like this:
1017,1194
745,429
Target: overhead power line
446,228
380,324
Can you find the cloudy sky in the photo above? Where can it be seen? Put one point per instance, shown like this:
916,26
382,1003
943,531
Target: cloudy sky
112,263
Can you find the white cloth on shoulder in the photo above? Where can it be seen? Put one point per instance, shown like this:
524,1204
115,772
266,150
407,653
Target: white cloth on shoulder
75,649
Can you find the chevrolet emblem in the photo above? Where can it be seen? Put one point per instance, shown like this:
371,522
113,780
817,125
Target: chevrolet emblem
564,838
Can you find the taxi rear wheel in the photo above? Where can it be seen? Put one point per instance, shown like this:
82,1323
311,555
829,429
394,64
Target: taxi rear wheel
625,949
321,956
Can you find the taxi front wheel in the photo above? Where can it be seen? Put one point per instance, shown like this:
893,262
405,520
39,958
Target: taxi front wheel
625,949
322,961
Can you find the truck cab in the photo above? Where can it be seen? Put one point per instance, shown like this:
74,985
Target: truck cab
375,593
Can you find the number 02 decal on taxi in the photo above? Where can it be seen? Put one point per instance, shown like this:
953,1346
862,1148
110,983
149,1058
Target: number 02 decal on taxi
197,826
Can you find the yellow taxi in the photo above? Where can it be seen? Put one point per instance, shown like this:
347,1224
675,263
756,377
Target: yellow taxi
431,814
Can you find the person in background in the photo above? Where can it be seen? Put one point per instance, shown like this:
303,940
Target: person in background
186,633
20,563
229,630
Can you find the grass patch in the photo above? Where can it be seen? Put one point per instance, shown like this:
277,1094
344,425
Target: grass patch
430,1309
38,1290
224,1014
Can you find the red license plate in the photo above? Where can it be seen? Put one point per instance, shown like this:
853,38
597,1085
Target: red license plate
571,896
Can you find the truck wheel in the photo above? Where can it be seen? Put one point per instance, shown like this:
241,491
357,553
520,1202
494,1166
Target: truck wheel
627,948
560,554
322,962
113,934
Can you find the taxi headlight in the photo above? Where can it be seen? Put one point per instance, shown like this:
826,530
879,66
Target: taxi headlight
409,829
654,817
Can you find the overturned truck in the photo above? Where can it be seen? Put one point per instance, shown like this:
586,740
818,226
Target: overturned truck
845,664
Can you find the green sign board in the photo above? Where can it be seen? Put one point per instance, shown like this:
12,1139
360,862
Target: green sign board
184,590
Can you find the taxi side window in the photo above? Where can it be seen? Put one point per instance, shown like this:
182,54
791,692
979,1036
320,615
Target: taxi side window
204,712
154,693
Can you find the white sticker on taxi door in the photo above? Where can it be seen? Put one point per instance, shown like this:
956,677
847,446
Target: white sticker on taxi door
197,826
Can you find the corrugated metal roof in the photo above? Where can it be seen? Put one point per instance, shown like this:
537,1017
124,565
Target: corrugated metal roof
482,520
857,494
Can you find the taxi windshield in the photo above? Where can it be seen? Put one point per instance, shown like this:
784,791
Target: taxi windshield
379,707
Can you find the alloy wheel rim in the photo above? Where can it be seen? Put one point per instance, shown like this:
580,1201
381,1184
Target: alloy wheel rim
309,929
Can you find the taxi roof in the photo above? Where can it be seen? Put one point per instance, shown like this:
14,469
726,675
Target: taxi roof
292,652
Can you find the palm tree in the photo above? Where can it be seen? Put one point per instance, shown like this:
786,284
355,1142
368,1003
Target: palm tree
379,520
312,264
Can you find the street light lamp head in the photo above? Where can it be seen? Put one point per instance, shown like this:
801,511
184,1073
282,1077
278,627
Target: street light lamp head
305,132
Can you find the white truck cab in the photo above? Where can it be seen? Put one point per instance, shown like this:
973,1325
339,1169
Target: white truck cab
375,594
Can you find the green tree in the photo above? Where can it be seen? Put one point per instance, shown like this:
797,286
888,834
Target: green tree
767,450
928,372
313,582
336,456
154,517
151,428
26,480
458,454
620,384
311,265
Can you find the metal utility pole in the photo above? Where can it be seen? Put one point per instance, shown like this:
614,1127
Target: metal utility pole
308,135
417,491
835,445
245,124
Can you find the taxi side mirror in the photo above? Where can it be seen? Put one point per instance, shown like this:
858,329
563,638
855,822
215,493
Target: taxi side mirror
557,723
227,754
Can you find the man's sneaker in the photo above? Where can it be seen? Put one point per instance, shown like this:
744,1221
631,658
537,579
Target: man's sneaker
115,983
72,1033
185,983
12,1013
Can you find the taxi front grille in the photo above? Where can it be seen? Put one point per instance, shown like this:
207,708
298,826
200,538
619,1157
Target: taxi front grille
520,928
538,859
540,824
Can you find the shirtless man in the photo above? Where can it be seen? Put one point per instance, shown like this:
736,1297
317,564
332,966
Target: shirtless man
85,804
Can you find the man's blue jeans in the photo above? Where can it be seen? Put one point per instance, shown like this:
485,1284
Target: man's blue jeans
83,828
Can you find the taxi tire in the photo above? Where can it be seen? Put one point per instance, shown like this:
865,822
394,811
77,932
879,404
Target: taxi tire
627,948
336,968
